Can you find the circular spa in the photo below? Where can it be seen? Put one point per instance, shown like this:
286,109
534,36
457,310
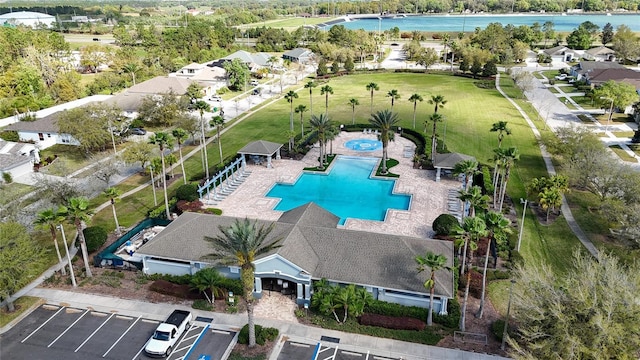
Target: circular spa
363,145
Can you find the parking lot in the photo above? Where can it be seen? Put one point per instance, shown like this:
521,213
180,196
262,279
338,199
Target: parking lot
294,350
57,332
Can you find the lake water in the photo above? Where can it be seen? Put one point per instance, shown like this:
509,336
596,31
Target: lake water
456,23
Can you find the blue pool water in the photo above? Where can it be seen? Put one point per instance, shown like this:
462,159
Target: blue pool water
363,145
347,191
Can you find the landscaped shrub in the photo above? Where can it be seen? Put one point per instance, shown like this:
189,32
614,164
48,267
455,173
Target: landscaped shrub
10,135
392,309
95,237
497,328
176,279
230,285
452,319
187,192
167,288
202,304
415,137
7,178
262,334
186,206
392,322
160,212
445,224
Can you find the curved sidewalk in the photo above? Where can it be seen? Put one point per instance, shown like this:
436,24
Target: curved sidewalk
566,210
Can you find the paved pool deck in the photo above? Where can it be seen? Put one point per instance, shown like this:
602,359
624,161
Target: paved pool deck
429,198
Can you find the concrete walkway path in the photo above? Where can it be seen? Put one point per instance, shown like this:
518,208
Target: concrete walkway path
566,210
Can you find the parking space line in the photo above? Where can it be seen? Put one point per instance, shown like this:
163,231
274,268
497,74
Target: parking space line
204,331
141,349
121,336
43,324
68,328
93,333
351,353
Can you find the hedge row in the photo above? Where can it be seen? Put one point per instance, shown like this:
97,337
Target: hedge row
263,334
450,320
392,322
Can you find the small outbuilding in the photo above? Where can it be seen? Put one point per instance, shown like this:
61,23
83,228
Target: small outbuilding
260,150
448,162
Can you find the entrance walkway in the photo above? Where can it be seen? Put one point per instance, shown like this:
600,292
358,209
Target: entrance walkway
275,306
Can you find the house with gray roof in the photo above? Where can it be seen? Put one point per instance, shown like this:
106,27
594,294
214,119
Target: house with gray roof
299,55
44,132
561,54
583,69
313,247
17,159
600,53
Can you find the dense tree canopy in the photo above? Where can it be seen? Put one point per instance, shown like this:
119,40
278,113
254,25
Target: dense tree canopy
590,312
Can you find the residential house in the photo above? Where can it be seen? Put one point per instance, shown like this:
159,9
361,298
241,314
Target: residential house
254,61
584,68
215,77
561,54
130,99
43,132
313,247
17,159
600,53
298,55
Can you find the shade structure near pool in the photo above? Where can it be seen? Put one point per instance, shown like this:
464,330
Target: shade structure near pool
347,191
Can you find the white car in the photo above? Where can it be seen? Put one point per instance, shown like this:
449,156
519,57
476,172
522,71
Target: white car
215,98
254,83
562,77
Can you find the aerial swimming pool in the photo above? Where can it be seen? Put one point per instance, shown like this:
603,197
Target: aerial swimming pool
347,191
363,145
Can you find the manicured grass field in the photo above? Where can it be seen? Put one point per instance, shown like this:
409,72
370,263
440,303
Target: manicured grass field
10,192
622,154
290,23
585,102
468,120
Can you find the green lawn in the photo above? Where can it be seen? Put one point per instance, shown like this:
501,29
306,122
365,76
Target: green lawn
22,304
70,158
622,154
553,90
10,192
584,101
290,23
623,134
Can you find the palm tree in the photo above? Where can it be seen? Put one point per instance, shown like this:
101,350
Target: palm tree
78,213
207,279
153,167
170,159
114,195
203,106
326,90
49,219
163,140
394,95
218,122
511,156
310,85
181,135
239,244
474,197
435,118
549,199
438,101
290,96
414,99
468,168
498,228
321,125
372,87
301,110
384,120
132,68
499,158
353,102
473,228
434,262
502,129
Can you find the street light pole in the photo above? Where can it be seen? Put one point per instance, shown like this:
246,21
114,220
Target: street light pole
524,213
66,249
506,322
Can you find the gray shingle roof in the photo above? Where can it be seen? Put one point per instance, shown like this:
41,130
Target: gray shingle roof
47,124
260,59
310,214
260,147
586,66
600,50
348,256
297,52
449,161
